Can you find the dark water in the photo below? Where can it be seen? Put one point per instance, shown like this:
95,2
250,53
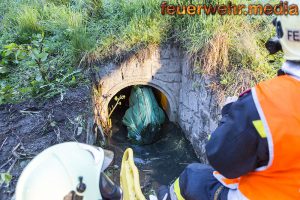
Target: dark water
159,163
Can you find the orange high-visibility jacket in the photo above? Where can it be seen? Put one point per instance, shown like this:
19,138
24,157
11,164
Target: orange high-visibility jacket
278,104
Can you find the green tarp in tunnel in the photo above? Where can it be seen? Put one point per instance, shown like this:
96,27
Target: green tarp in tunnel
144,117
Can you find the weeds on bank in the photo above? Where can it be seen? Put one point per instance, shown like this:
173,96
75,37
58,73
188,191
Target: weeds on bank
126,25
42,43
229,48
41,46
5,178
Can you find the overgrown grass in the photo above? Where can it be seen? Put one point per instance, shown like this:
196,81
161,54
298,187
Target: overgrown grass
52,39
127,24
229,48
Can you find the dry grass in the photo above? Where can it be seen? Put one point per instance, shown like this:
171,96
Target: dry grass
234,54
214,57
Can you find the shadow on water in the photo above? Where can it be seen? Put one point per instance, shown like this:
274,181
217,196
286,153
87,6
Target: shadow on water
159,163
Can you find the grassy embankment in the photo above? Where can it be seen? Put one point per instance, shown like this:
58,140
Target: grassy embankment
47,46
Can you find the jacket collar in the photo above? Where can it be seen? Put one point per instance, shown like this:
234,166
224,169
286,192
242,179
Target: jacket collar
291,68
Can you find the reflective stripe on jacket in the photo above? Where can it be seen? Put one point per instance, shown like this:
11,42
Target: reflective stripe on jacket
278,104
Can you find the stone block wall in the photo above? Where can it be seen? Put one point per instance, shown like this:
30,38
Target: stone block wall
156,67
191,103
198,109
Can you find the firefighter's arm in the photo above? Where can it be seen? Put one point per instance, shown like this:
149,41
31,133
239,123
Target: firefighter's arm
235,147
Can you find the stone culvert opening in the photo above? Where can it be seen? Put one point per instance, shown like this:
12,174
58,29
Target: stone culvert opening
154,67
164,97
119,104
116,112
191,102
159,161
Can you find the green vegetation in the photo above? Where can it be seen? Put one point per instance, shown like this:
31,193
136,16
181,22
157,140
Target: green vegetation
47,46
230,48
5,178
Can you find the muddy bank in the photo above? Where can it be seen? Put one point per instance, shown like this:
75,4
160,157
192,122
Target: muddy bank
30,127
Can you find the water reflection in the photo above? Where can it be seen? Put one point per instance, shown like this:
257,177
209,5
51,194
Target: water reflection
158,163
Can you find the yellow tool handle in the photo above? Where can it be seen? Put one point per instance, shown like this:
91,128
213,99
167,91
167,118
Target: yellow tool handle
129,177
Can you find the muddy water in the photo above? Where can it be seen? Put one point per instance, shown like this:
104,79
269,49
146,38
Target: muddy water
159,163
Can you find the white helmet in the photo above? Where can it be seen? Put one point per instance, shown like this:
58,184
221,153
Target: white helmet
288,32
64,171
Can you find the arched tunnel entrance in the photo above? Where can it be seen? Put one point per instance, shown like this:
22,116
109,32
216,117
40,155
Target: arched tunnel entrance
139,115
119,103
159,162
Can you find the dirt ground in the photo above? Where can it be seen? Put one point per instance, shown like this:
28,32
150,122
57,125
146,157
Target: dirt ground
28,128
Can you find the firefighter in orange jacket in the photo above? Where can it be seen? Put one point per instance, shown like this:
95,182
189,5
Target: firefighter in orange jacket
255,151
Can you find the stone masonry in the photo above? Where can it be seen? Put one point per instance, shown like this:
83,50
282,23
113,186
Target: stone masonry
191,103
198,110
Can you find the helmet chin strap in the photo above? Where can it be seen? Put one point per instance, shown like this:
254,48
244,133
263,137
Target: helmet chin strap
73,196
78,195
273,45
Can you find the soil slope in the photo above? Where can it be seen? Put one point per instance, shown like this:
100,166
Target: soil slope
28,128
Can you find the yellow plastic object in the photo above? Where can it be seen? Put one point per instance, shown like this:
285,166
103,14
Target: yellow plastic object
129,178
